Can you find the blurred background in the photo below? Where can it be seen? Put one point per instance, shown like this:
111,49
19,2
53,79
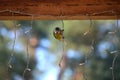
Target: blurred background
89,50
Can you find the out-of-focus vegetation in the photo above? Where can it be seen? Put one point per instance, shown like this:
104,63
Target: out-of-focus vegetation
88,57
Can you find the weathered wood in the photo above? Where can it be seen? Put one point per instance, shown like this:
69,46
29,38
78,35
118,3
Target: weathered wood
51,9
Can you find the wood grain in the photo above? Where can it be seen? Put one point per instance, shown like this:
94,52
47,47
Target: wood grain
52,9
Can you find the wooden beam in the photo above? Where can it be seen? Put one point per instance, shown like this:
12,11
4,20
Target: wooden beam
50,9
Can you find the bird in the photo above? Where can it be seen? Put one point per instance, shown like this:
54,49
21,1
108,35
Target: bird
58,33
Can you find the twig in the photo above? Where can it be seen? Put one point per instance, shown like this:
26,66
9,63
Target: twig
63,51
27,51
28,59
113,64
90,26
13,46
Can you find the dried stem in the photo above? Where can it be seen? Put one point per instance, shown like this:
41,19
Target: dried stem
27,51
63,52
31,23
86,56
113,64
28,59
116,52
116,29
90,26
85,76
13,46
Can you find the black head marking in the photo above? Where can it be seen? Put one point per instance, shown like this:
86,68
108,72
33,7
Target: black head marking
57,29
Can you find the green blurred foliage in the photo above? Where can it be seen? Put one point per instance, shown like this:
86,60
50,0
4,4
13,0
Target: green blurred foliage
98,68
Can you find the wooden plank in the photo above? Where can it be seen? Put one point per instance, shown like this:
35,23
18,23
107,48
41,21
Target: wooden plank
50,9
64,9
61,1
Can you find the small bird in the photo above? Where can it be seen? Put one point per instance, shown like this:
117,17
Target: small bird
58,33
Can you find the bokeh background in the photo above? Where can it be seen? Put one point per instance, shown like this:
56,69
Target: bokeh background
88,57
